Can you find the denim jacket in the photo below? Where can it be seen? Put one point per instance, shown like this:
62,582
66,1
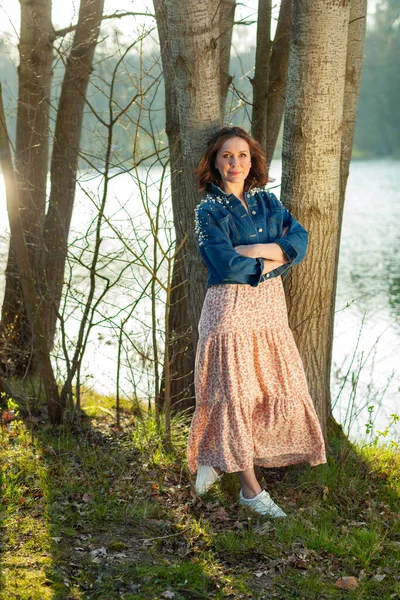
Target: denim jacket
222,222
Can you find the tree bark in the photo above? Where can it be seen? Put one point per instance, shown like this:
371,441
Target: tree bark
194,56
65,156
261,74
354,62
226,22
179,334
355,55
311,178
31,163
26,275
279,63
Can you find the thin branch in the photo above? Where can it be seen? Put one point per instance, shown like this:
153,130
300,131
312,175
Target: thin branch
116,15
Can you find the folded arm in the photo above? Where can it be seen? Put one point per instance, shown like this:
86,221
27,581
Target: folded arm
218,253
289,248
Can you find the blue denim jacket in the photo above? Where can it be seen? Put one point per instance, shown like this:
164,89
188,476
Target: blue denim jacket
222,222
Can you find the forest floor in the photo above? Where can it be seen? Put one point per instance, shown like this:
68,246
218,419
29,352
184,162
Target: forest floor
100,514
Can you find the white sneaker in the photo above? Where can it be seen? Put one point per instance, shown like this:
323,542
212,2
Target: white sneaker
263,504
206,476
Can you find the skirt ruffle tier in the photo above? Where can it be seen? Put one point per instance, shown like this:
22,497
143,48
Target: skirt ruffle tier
252,402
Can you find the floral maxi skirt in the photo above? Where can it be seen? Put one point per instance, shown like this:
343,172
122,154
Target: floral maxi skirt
252,402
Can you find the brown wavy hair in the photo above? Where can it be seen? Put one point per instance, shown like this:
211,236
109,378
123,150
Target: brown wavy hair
207,173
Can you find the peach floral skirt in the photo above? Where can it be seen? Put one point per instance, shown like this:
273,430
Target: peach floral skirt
252,401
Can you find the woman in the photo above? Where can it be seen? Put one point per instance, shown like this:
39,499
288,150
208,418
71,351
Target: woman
252,401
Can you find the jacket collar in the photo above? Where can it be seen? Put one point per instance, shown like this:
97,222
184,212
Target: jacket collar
217,191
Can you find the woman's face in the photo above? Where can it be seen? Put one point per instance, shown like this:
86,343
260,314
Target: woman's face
233,162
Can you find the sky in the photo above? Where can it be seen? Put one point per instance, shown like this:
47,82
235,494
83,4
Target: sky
65,13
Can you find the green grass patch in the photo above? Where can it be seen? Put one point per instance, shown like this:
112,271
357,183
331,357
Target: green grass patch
102,514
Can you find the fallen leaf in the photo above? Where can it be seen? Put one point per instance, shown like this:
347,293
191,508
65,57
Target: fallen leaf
87,497
347,583
168,594
98,552
259,573
379,577
7,416
264,528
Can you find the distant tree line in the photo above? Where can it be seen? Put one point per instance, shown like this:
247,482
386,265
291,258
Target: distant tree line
377,131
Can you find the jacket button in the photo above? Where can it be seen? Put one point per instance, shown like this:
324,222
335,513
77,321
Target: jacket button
267,274
260,229
253,212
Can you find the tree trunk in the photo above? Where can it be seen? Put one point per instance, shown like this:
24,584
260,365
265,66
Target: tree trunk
354,61
65,156
311,178
194,60
26,276
31,163
226,22
355,55
279,63
261,74
179,334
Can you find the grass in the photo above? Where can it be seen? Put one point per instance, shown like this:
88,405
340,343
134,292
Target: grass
102,514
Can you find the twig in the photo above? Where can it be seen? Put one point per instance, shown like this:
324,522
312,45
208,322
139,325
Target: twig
116,15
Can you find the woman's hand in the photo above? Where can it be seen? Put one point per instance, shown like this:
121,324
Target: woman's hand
249,250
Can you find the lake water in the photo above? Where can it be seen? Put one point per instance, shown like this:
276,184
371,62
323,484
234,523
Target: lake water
367,322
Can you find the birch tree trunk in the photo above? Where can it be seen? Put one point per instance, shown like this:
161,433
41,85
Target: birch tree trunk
194,54
311,178
65,155
31,163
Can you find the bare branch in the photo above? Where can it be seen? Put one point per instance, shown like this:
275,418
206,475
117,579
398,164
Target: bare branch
116,15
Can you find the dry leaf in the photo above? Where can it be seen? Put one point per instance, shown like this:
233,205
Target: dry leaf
87,497
347,583
98,552
168,594
264,528
7,416
378,577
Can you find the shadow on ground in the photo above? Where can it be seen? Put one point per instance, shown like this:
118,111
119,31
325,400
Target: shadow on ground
91,514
